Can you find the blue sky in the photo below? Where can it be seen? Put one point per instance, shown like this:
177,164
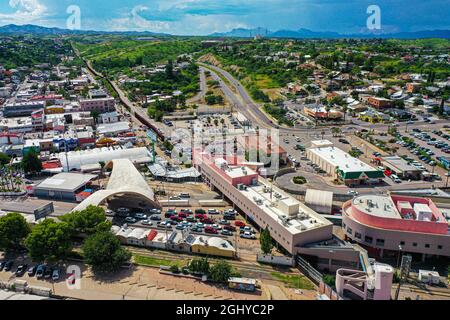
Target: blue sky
200,17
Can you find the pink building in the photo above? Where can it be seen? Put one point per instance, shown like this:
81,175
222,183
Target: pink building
372,284
291,223
392,223
100,105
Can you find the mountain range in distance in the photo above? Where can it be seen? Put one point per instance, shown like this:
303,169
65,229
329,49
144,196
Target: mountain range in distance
302,33
309,34
13,29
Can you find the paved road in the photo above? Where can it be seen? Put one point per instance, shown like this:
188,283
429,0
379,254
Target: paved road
203,87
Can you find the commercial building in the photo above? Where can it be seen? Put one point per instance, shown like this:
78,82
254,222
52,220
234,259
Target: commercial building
401,167
63,186
291,223
320,112
342,166
22,109
379,103
392,223
175,240
100,105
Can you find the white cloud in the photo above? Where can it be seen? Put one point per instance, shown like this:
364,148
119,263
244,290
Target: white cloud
188,24
134,21
27,11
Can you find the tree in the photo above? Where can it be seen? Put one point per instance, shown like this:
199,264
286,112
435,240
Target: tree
13,230
49,241
169,69
103,252
4,158
266,241
199,266
89,220
221,272
31,162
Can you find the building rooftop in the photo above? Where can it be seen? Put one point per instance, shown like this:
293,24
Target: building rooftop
380,206
66,181
399,163
293,215
342,159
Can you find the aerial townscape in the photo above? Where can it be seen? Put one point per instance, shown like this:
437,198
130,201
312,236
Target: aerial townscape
242,165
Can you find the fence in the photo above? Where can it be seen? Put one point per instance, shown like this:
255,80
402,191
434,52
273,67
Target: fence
328,291
308,270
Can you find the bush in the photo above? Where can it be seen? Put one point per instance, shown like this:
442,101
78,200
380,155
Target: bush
299,180
174,269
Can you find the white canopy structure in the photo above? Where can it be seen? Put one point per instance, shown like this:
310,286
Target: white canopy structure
124,179
78,159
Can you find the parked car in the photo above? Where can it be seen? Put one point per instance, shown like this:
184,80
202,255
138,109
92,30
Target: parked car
200,211
8,265
239,224
48,273
191,219
229,228
226,232
55,274
41,271
395,178
248,235
211,230
32,271
140,216
146,222
130,220
21,269
207,221
155,217
2,265
184,195
201,216
213,211
224,222
196,229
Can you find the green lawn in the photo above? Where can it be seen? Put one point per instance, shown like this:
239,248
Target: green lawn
294,281
151,261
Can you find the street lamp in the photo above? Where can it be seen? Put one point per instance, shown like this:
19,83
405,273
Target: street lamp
398,256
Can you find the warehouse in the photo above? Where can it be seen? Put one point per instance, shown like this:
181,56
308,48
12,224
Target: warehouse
340,165
63,186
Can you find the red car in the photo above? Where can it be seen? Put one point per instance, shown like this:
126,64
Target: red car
229,228
211,230
207,221
239,224
201,216
182,215
175,218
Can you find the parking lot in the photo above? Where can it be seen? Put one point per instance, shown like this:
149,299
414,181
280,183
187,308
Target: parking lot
225,222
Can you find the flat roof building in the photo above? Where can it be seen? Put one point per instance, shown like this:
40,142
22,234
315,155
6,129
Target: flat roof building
63,186
401,167
340,165
291,223
386,223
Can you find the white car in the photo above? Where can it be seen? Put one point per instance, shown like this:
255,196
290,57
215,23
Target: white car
146,222
248,235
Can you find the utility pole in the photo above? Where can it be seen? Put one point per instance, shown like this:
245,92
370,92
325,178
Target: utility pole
404,272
